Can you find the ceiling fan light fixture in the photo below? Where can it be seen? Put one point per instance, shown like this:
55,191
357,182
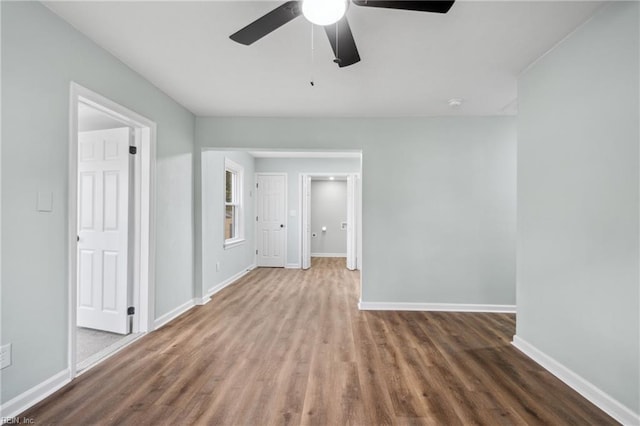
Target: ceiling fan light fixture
324,12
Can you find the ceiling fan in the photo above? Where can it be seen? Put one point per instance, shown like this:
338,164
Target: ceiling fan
331,15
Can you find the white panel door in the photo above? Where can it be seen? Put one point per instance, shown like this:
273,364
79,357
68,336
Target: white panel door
271,203
103,231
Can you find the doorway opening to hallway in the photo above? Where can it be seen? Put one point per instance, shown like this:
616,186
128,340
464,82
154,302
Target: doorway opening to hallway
111,176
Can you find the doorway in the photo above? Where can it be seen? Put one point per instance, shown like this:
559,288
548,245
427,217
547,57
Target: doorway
110,259
221,263
330,218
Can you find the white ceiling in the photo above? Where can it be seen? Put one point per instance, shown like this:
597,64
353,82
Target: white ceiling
412,63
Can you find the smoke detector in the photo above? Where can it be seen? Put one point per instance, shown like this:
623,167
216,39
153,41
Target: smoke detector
455,102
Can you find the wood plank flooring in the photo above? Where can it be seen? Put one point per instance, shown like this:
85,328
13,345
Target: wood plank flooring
290,347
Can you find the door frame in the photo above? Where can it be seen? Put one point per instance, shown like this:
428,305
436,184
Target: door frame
286,211
143,201
354,212
305,222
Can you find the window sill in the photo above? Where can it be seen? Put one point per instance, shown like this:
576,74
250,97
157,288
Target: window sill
233,243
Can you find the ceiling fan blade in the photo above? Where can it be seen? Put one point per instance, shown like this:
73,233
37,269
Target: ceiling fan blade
435,6
268,23
342,43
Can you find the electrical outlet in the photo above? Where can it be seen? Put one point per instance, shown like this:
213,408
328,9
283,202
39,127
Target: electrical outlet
5,356
217,266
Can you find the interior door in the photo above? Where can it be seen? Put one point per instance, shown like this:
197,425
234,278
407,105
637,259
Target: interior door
306,221
271,219
103,206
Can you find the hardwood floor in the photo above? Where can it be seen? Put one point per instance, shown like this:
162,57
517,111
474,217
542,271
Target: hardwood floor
291,347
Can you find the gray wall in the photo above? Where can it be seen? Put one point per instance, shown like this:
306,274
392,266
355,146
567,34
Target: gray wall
449,184
234,259
293,167
41,54
328,209
578,291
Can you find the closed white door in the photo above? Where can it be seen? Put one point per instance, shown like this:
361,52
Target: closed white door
271,203
103,231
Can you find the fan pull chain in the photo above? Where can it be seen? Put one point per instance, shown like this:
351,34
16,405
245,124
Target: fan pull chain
312,57
337,42
337,59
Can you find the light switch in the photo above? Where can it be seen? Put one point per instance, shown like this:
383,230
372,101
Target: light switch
44,202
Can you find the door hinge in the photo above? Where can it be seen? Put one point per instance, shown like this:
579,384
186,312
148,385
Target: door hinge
256,185
256,251
131,310
256,218
133,150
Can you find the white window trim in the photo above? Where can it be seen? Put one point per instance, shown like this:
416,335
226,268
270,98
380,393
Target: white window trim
232,166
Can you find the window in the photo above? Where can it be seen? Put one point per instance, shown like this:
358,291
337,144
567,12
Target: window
233,227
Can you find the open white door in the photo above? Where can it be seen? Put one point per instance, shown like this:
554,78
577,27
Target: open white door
306,221
351,223
271,200
103,231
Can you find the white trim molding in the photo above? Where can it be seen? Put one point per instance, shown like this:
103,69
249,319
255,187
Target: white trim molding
237,202
202,301
144,245
175,313
585,388
292,266
438,307
328,254
230,280
31,397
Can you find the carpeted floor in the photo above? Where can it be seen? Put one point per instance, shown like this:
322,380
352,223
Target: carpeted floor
90,342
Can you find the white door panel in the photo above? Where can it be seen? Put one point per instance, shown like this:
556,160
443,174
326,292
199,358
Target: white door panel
271,203
103,232
85,268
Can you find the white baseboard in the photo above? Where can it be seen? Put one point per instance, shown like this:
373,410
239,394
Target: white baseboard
202,301
328,254
585,388
444,307
31,397
39,392
230,280
175,313
292,266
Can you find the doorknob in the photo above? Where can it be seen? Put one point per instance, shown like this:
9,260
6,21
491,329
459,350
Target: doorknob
281,226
